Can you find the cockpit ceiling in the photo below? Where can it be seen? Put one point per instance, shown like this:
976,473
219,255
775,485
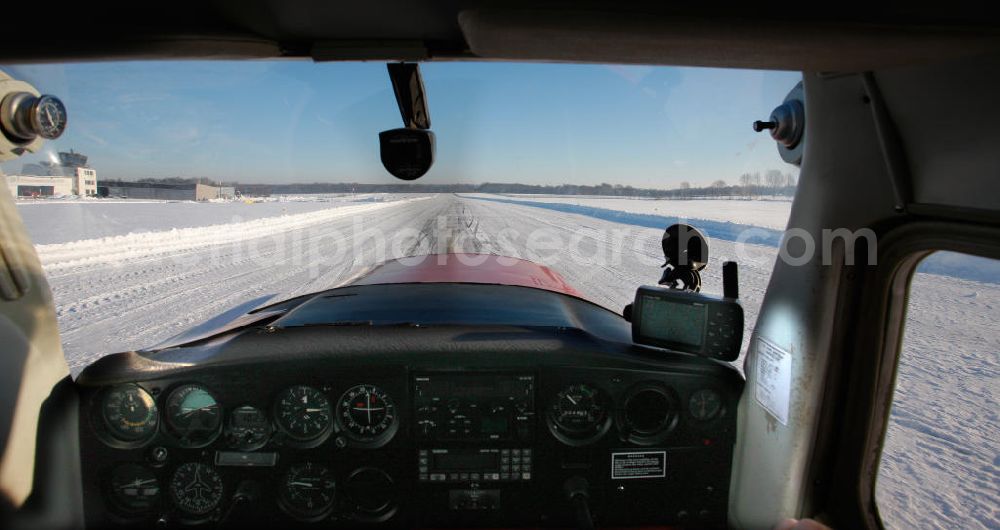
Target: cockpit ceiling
838,39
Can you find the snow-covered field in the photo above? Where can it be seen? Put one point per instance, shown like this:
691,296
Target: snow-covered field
127,275
767,213
941,459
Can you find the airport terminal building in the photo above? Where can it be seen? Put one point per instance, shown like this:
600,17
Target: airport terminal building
71,176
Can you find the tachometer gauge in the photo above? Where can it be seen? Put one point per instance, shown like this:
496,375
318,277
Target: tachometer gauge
133,489
579,414
306,491
193,415
705,404
367,414
304,414
248,428
196,488
129,413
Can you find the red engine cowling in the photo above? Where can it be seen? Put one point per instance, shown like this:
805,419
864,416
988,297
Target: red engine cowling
467,268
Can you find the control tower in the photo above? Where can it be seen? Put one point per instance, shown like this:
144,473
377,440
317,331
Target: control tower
72,159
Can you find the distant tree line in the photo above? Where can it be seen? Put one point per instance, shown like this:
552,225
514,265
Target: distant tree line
771,183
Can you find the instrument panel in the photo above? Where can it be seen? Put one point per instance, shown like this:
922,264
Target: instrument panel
485,419
190,450
404,445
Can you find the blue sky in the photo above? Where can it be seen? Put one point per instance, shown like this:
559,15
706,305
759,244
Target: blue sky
298,121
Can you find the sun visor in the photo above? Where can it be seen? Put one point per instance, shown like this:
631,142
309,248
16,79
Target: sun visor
633,37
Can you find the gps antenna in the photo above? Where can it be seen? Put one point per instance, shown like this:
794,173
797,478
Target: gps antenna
730,280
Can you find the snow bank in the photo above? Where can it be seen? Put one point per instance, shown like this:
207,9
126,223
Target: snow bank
116,250
58,221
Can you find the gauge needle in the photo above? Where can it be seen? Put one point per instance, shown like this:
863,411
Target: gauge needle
137,484
199,409
571,400
302,484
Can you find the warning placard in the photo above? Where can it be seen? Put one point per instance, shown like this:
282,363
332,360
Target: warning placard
774,379
639,464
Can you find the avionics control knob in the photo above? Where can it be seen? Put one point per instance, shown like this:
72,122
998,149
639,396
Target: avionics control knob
426,427
453,406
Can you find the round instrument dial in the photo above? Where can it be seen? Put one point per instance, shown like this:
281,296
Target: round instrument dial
371,493
307,491
248,428
705,404
196,488
649,414
367,414
579,414
49,117
304,414
133,489
129,413
193,415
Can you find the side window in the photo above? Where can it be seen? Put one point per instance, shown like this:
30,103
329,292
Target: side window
940,465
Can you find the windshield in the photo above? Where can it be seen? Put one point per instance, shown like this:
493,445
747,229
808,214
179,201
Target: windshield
214,185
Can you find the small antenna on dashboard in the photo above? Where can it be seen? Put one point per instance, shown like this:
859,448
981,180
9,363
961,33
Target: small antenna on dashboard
730,280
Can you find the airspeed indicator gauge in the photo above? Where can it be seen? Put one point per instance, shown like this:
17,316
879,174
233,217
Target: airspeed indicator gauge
129,413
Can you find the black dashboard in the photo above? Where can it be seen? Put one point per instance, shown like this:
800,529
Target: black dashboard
410,425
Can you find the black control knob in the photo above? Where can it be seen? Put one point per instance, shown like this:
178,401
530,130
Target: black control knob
761,125
426,428
158,456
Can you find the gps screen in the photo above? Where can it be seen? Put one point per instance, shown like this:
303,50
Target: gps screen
681,323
